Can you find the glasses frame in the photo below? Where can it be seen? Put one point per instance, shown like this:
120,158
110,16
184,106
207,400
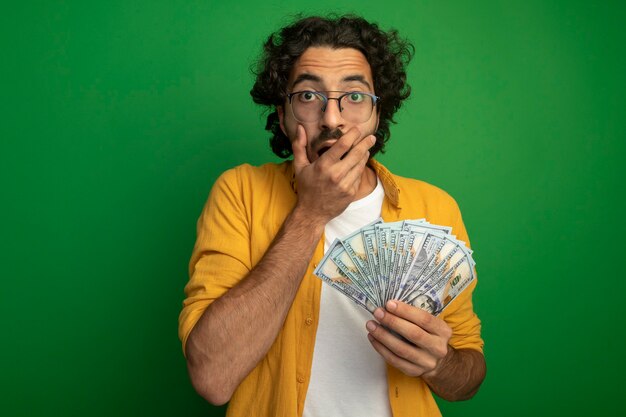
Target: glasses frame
375,100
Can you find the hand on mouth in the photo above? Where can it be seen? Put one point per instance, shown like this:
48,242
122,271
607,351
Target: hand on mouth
326,139
325,147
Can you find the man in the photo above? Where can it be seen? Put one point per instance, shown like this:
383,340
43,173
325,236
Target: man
257,327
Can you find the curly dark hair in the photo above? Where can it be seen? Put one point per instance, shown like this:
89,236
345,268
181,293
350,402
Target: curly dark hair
387,53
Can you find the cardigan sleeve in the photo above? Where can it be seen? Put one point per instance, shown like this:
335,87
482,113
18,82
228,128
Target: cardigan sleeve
221,255
459,314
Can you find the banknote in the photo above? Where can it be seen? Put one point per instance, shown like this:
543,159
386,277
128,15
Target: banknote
355,247
332,275
436,295
413,261
342,260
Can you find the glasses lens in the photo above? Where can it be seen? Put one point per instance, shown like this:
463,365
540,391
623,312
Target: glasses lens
356,107
309,106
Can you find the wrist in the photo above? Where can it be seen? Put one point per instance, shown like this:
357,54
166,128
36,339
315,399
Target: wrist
303,219
309,219
443,364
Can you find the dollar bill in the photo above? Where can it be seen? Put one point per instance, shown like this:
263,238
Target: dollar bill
345,263
412,261
332,275
355,247
435,296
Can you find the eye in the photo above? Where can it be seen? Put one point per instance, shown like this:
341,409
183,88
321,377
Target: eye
307,96
356,97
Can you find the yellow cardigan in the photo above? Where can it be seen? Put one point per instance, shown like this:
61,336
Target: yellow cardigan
243,214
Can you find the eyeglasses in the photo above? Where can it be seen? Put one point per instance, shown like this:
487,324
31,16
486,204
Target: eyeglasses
309,106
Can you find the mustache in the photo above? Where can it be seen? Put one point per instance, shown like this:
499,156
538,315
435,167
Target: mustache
327,134
330,134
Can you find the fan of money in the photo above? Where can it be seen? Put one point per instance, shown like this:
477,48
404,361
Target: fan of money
412,261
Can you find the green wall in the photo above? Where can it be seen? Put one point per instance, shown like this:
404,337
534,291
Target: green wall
118,116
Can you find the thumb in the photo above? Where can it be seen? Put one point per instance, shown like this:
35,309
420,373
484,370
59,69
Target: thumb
300,160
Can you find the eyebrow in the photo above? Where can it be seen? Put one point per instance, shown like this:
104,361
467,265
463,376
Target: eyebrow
310,77
358,78
305,77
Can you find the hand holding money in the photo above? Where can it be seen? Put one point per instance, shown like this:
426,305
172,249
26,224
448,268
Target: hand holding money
404,273
423,344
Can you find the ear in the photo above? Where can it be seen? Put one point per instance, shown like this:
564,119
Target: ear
281,118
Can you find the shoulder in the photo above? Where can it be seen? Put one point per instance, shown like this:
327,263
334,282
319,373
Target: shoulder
255,188
419,199
415,190
409,192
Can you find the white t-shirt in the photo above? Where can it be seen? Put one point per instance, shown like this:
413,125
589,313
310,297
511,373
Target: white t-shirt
348,377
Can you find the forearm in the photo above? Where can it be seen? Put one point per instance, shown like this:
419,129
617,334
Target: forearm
237,329
459,375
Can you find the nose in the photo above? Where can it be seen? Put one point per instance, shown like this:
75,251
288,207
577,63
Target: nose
332,118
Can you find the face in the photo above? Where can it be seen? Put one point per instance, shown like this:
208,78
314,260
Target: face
425,303
325,69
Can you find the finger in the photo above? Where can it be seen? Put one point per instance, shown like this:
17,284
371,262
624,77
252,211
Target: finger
397,362
343,145
411,332
351,167
348,171
395,344
300,159
421,318
363,139
354,156
352,178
